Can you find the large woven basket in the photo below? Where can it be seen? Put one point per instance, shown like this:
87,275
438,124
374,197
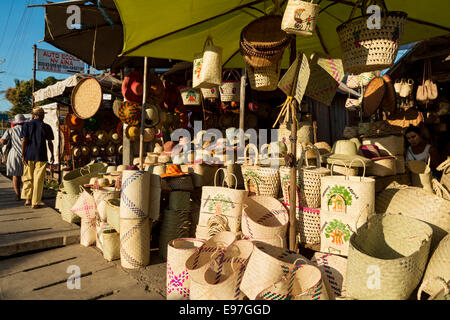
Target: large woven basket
264,217
365,49
264,78
178,280
258,179
387,257
79,177
134,201
416,203
334,270
182,183
267,265
86,98
303,283
175,224
223,278
438,266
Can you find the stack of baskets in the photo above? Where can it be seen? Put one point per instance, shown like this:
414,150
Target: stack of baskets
262,45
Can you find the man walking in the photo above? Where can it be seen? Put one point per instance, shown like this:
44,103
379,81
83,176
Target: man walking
35,136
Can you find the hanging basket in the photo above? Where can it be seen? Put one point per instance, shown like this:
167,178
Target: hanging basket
208,66
210,93
230,89
190,96
264,78
300,17
393,247
365,49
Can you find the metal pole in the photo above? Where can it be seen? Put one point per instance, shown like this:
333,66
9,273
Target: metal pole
144,99
34,75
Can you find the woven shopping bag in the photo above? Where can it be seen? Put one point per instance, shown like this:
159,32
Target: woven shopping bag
264,78
65,207
267,265
261,180
88,232
304,282
85,207
387,257
222,280
300,17
178,280
264,218
438,266
326,75
419,204
420,174
367,49
347,203
112,209
221,207
111,245
207,70
334,271
100,228
75,179
230,88
101,195
210,93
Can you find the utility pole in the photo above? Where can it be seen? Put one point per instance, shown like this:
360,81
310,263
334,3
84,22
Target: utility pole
34,74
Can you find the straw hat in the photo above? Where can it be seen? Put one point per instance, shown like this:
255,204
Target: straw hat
120,149
132,133
121,168
173,170
95,151
86,98
323,147
102,137
168,147
111,169
85,151
76,151
149,134
114,136
389,102
130,113
164,158
110,149
133,87
116,106
158,148
346,151
151,116
373,95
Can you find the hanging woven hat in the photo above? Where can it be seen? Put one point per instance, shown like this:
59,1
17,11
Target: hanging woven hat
151,116
114,137
73,122
116,106
149,134
120,149
102,137
86,98
130,113
389,102
95,151
85,151
155,89
110,149
132,133
76,151
345,150
132,87
173,170
373,95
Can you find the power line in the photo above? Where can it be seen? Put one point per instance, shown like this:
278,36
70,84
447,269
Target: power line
7,21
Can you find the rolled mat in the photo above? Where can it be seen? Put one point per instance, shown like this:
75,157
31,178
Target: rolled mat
134,202
134,242
87,232
178,280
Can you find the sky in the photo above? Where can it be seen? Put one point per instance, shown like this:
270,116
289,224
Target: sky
20,29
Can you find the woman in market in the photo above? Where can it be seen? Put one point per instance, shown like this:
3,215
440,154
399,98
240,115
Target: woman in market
419,149
14,165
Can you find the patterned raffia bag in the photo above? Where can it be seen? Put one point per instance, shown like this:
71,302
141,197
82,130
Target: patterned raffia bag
208,66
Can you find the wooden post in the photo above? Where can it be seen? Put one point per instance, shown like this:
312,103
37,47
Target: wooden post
34,75
144,99
242,99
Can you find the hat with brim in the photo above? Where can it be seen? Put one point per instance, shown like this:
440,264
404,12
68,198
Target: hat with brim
132,87
346,151
110,149
76,151
102,137
114,136
151,116
173,170
389,102
323,147
168,147
132,133
116,106
120,149
18,119
373,95
149,134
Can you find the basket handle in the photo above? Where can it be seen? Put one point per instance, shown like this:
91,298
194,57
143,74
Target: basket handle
235,179
246,151
255,183
363,208
229,73
350,166
215,175
444,284
208,41
337,161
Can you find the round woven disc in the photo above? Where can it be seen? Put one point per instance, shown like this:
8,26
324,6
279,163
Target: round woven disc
86,98
373,95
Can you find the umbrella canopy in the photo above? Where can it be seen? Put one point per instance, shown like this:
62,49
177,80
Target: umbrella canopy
98,40
178,29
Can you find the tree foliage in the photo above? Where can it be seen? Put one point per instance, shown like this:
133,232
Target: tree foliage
20,95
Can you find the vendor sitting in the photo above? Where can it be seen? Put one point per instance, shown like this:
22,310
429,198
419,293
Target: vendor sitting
419,149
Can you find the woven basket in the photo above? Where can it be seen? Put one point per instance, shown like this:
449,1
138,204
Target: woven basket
445,168
111,245
438,266
223,278
334,270
200,261
179,201
190,96
101,196
264,217
260,180
182,183
416,203
134,202
230,89
264,78
300,17
135,242
84,207
210,93
175,224
79,177
66,203
267,265
365,49
383,167
178,280
303,283
420,174
112,209
208,69
87,232
387,258
343,170
100,228
203,174
443,293
86,98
